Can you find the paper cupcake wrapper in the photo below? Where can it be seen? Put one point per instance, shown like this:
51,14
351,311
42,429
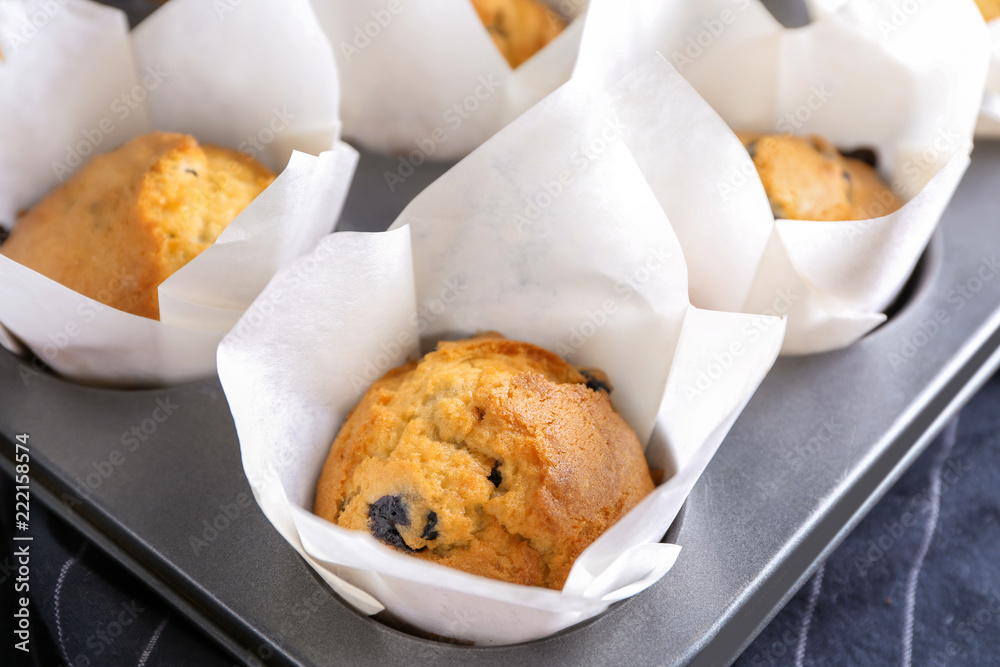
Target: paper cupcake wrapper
425,80
74,82
537,239
988,125
911,92
989,116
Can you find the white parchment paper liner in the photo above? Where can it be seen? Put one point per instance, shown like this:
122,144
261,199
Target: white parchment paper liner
989,115
911,93
75,82
406,66
595,274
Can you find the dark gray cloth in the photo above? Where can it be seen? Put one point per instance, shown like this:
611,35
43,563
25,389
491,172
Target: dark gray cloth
86,611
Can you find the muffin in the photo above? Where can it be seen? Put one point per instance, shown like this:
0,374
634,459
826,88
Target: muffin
989,8
132,217
489,455
806,178
519,28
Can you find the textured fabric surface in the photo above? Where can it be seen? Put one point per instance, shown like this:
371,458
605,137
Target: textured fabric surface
918,581
86,611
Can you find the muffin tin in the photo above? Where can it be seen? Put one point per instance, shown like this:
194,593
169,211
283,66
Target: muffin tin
154,477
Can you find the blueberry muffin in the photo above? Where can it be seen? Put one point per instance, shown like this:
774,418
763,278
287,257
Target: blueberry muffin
519,28
989,8
806,178
489,455
129,219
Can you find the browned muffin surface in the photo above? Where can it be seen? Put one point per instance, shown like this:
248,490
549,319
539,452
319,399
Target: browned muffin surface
488,455
130,218
989,8
806,178
519,28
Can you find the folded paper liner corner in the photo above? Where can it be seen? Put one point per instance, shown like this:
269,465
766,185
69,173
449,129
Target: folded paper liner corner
425,80
988,126
262,81
911,93
547,233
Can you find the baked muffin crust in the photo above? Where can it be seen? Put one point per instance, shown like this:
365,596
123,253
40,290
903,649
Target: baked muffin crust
989,8
488,455
806,178
519,28
132,217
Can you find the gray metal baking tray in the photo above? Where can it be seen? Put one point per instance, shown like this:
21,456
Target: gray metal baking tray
820,442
